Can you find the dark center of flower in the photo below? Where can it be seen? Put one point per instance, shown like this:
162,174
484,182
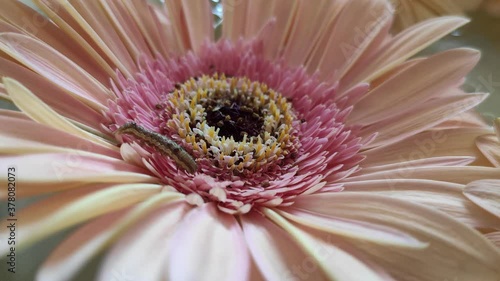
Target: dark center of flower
234,114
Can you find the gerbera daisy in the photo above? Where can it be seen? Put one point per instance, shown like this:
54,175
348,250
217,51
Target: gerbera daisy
304,144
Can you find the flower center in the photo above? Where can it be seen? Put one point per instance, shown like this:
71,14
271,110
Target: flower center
235,138
240,126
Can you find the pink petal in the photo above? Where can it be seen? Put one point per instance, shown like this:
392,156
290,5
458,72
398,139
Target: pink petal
462,175
443,196
73,253
486,194
400,48
49,172
64,210
16,13
428,144
37,110
446,253
420,118
352,35
146,244
490,147
222,243
47,62
415,85
335,258
277,256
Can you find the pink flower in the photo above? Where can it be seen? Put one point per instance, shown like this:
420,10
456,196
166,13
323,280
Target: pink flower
305,143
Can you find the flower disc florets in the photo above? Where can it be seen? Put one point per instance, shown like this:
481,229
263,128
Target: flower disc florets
259,132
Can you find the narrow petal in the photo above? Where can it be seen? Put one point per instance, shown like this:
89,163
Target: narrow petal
51,94
490,147
335,262
160,27
420,118
486,194
274,251
49,172
234,18
64,210
353,229
400,48
127,28
428,144
462,175
47,62
420,163
443,196
20,136
148,241
345,46
222,242
16,13
415,85
199,22
465,246
309,22
93,20
74,252
26,101
56,12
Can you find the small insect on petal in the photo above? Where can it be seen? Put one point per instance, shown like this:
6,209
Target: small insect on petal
162,144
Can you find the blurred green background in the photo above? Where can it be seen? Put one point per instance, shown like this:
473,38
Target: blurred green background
482,33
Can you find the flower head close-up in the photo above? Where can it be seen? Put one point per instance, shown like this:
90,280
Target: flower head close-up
278,140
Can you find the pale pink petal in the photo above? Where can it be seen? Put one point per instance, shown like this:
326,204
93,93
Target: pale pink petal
462,175
23,136
428,144
51,94
37,110
146,244
64,210
234,18
415,85
277,256
16,14
220,253
49,172
356,230
419,163
400,48
444,196
490,147
420,118
486,194
127,28
262,9
73,253
466,245
468,119
72,31
157,33
307,30
337,263
345,46
199,22
90,16
47,62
